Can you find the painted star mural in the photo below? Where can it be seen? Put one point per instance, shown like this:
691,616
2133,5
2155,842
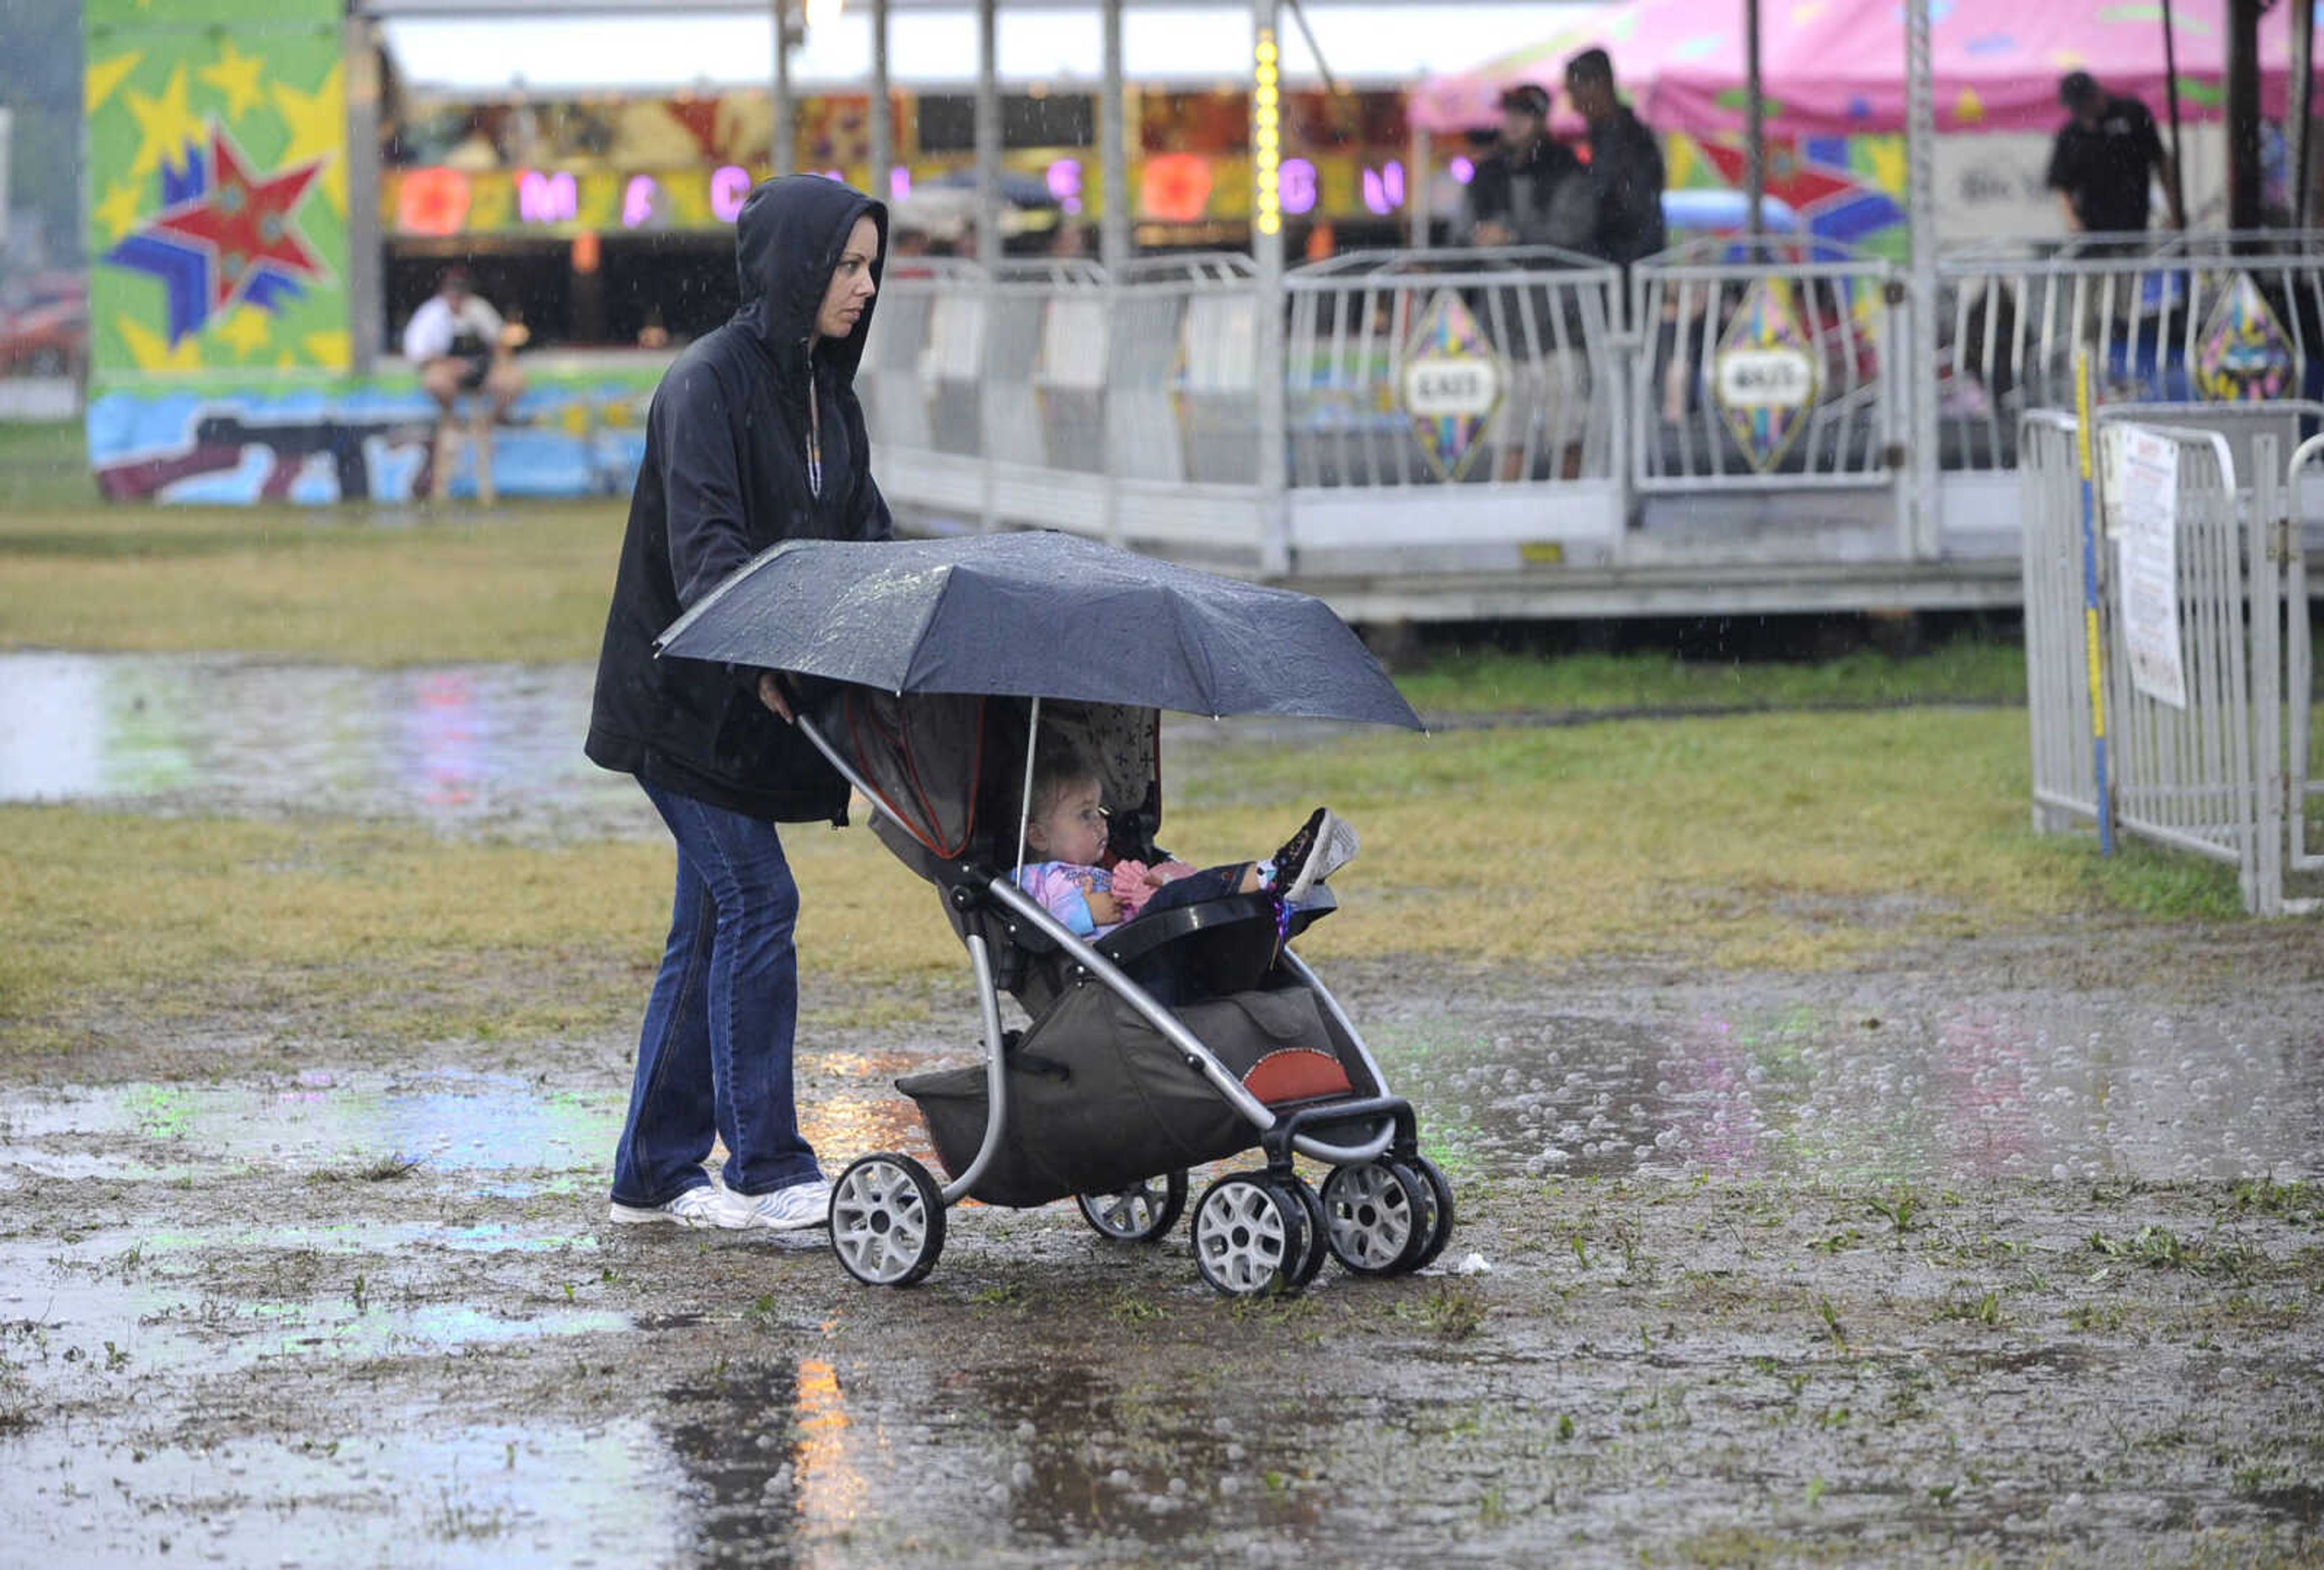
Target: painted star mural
224,235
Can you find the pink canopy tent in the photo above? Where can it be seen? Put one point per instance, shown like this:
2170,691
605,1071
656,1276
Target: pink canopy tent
1836,67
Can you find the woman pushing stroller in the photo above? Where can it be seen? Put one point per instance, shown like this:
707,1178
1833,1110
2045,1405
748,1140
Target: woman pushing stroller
1067,829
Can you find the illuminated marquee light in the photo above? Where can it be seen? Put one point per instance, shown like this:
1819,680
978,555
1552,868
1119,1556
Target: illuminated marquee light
547,198
1384,187
639,199
899,183
1464,171
1064,178
1267,138
1298,186
729,184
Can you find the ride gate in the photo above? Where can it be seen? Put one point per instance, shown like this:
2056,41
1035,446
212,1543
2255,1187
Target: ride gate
2168,670
1728,427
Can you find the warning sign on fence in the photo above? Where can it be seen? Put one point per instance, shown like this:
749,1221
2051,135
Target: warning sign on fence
2147,522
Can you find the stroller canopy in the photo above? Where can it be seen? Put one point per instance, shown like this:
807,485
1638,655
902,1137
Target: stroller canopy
1039,614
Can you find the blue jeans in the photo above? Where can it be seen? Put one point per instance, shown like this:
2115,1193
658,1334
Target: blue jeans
715,1056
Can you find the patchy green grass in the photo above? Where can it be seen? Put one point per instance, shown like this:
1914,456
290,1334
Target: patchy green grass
1964,670
44,466
523,583
1747,840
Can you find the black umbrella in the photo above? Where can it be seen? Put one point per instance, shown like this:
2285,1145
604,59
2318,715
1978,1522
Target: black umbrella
1038,616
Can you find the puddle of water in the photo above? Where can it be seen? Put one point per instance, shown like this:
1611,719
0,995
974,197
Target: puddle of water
548,1141
467,744
2072,1088
474,1496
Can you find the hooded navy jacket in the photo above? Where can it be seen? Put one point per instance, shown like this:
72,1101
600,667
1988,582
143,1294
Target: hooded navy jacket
726,477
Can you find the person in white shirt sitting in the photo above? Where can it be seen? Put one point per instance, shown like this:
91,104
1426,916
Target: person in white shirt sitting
459,344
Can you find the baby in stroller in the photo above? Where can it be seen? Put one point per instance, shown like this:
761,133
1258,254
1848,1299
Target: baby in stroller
1067,830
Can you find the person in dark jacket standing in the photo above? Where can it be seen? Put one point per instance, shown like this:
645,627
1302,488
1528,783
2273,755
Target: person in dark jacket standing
754,437
2104,159
1529,189
1626,164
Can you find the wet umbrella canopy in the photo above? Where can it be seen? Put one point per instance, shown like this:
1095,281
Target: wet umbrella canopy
1038,616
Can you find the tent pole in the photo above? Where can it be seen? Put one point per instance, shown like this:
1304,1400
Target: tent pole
1419,190
1754,123
2171,92
883,123
2243,114
1267,254
1920,524
988,133
780,142
1113,158
2299,120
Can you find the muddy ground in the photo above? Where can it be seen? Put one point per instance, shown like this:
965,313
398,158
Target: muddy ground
2010,1251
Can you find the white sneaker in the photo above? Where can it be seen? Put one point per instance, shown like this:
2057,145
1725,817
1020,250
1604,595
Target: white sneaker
704,1206
801,1207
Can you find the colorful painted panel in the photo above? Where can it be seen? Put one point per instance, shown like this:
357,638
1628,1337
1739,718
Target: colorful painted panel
2245,355
574,432
1765,377
1453,382
217,189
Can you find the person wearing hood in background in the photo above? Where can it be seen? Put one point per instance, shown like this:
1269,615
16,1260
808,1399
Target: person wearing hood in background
754,437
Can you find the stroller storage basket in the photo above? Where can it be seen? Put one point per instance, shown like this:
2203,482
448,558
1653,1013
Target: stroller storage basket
1098,1100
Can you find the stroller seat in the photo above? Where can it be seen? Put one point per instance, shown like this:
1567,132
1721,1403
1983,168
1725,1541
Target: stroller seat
1219,946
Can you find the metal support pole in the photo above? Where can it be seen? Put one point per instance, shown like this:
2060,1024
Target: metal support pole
2170,83
1754,123
2300,117
2243,114
2093,644
884,120
1113,138
1266,316
988,133
1921,302
1420,188
781,142
367,304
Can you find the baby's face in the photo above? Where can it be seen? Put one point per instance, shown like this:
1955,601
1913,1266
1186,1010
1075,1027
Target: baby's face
1074,828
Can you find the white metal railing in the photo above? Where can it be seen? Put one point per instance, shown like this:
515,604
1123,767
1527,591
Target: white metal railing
2207,770
2170,318
1764,364
1126,403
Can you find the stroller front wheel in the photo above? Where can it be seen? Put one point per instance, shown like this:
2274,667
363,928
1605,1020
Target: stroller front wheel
1140,1212
887,1221
1250,1236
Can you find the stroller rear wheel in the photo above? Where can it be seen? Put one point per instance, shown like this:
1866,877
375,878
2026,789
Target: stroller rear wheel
1318,1234
1140,1212
1377,1216
1251,1235
887,1221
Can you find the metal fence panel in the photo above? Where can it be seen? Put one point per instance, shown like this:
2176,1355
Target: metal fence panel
1707,307
2171,318
1540,318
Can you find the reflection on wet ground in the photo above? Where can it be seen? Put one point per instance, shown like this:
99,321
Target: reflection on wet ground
2048,1086
459,746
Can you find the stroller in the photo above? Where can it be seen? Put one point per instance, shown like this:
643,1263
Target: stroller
1184,1037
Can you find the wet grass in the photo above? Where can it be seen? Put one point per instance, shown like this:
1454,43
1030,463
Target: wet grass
1786,840
1965,669
44,465
523,583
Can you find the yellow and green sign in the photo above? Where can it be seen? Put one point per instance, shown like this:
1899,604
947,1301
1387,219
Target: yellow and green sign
218,184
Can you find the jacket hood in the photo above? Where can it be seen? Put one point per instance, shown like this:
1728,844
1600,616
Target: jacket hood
787,240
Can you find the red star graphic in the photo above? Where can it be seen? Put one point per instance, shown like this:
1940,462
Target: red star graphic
1798,184
246,224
